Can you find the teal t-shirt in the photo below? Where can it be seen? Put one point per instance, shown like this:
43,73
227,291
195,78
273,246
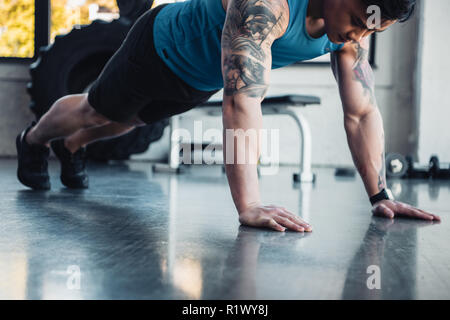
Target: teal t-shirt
187,37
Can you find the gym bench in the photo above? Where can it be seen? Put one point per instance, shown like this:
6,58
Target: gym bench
273,105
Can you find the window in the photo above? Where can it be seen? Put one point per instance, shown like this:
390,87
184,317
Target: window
69,14
17,28
18,18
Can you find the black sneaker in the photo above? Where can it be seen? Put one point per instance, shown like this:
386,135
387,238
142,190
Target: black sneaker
73,165
32,169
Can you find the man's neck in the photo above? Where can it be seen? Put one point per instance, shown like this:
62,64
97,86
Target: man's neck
315,9
314,21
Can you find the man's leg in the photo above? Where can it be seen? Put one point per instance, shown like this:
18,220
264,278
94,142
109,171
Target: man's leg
83,137
67,115
71,151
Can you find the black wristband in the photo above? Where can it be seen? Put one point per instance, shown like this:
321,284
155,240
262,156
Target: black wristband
383,195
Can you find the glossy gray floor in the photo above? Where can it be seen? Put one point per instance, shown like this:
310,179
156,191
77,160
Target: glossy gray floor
140,235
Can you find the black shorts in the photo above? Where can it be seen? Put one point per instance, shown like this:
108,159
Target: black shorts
137,82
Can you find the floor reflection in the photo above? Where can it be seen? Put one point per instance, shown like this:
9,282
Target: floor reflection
138,235
115,242
252,250
390,246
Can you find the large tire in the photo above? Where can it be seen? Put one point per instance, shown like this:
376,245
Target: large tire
70,65
132,9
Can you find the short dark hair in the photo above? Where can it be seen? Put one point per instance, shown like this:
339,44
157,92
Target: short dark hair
400,10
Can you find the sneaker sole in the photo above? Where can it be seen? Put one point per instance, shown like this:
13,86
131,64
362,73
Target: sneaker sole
82,184
24,181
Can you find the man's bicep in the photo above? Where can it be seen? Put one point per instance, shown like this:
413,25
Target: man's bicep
250,28
246,70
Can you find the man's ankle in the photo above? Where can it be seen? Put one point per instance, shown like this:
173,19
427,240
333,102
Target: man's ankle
30,139
71,145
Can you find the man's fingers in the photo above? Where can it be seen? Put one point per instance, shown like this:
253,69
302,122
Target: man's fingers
437,218
418,212
289,215
296,220
288,223
271,223
383,211
412,212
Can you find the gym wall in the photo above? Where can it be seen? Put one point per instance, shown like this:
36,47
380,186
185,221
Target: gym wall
434,95
14,104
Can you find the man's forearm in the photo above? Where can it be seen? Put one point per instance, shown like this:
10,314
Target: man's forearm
242,126
364,127
363,121
366,140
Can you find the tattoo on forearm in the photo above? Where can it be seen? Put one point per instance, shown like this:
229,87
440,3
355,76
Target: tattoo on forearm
382,174
248,25
362,72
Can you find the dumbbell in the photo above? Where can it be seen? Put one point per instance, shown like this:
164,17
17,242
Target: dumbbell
396,165
434,167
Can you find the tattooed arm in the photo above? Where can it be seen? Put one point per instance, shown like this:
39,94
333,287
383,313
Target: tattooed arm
251,26
364,125
362,119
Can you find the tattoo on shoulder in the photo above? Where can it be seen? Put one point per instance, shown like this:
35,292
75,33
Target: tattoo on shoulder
362,72
248,27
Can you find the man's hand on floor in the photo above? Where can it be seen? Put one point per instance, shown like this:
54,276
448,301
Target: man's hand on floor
390,209
273,217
